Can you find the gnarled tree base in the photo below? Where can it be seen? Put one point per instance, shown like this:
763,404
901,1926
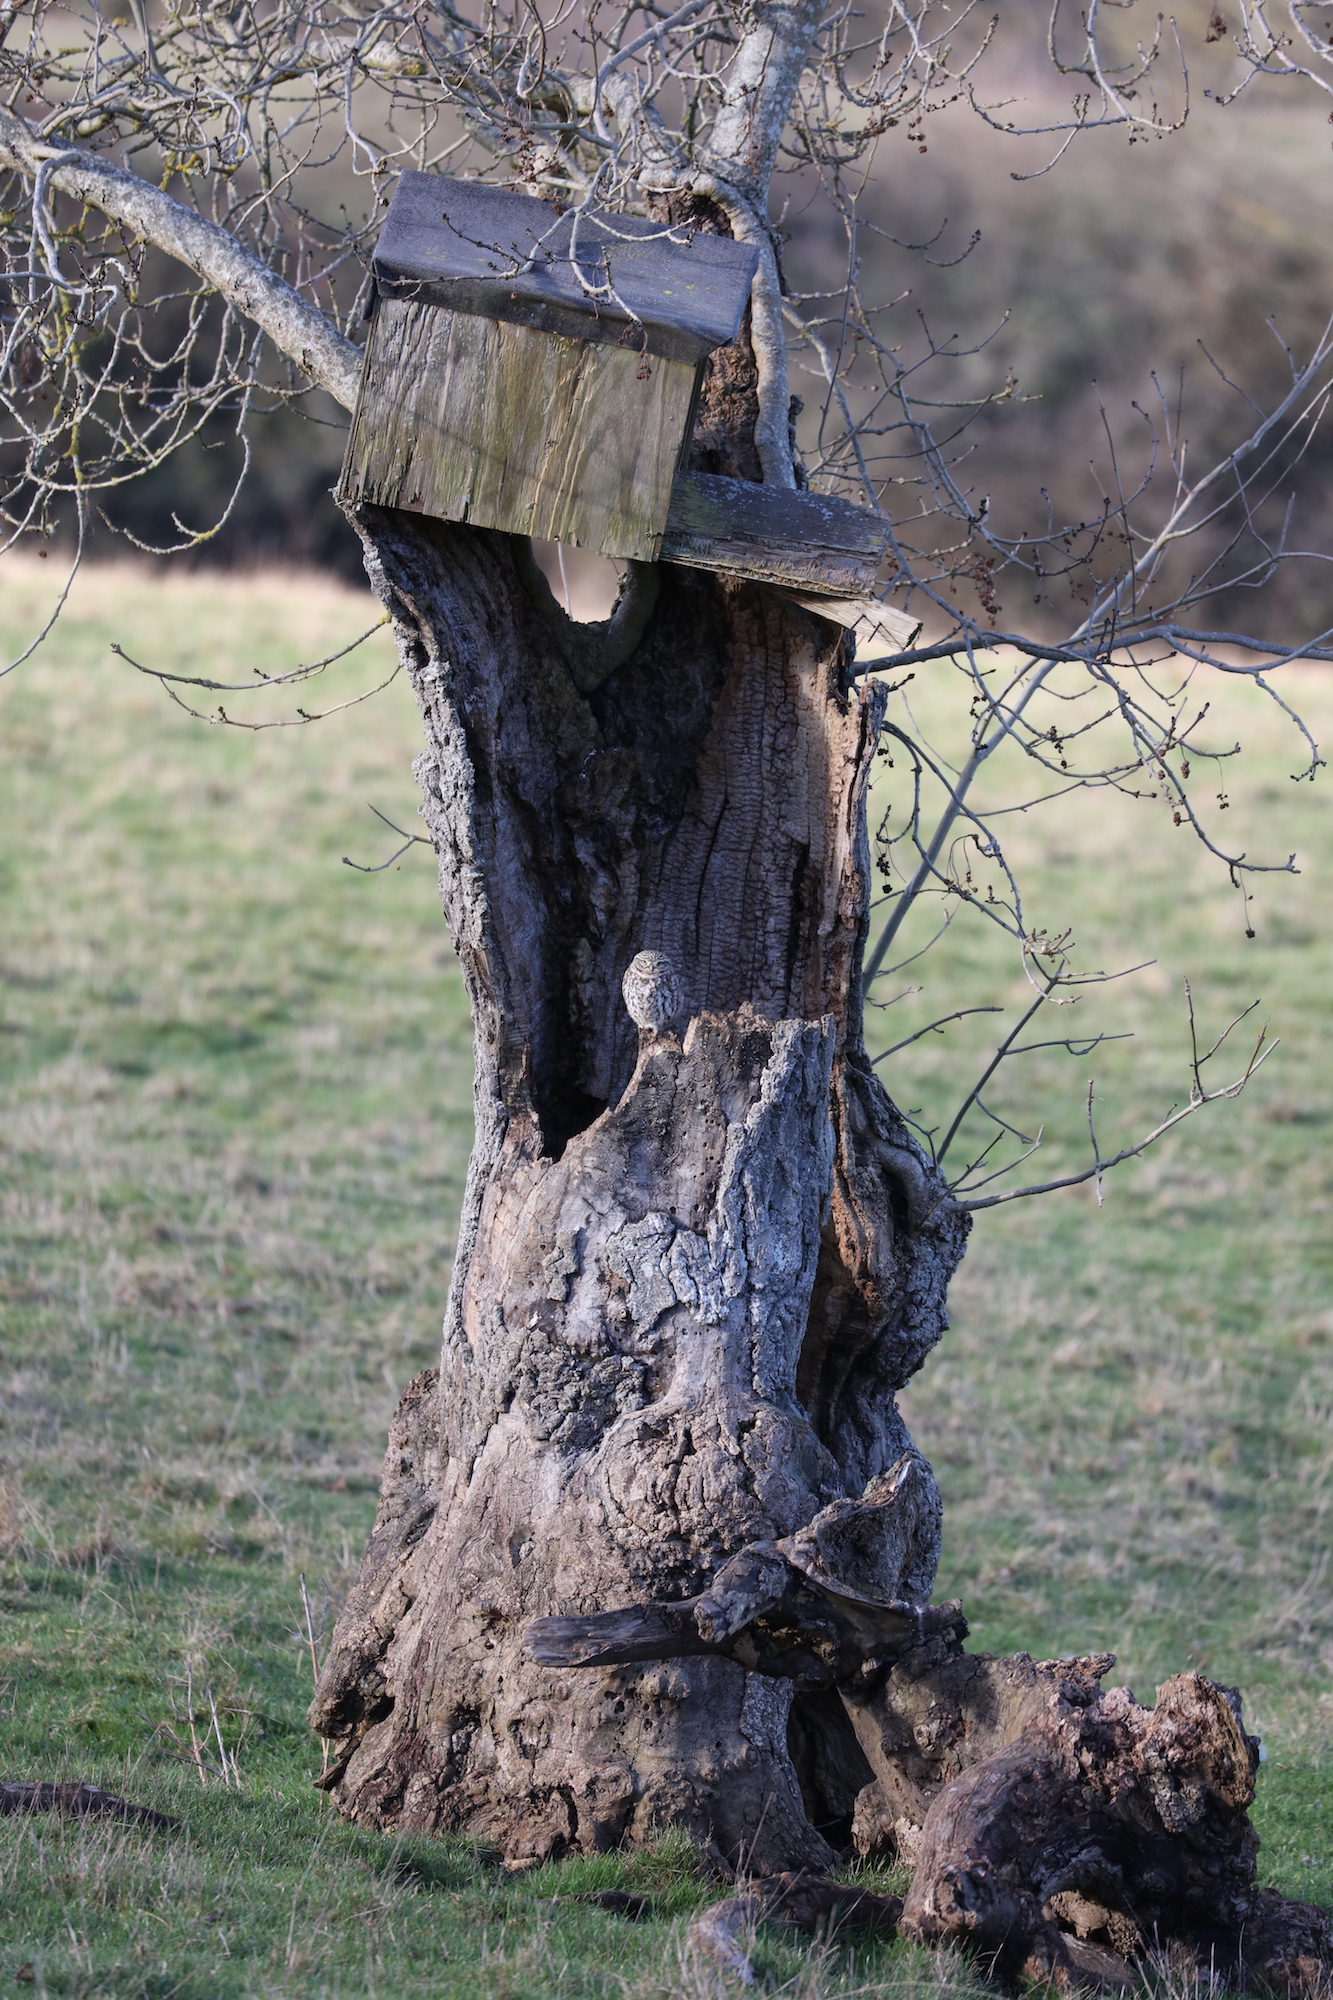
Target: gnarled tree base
695,1264
1057,1830
699,1249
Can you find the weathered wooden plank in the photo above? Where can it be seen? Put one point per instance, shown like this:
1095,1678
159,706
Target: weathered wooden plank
882,631
477,249
505,427
773,535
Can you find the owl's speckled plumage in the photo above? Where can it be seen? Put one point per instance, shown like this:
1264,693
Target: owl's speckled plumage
652,990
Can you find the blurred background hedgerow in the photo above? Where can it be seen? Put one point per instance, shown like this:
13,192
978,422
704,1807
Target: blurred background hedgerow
1189,261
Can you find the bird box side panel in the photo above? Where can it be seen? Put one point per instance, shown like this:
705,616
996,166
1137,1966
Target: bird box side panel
592,462
410,375
506,427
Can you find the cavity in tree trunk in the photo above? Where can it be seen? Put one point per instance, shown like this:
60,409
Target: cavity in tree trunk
694,1264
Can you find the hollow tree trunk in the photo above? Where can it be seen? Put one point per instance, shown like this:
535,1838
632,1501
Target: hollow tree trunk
693,1265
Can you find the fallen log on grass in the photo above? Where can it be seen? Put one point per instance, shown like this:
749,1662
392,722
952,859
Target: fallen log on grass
81,1802
1058,1831
1068,1832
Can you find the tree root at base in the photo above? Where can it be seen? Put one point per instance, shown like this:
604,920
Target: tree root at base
1058,1831
1108,1833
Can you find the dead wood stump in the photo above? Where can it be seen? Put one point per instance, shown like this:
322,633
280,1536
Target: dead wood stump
699,1250
1058,1831
1106,1833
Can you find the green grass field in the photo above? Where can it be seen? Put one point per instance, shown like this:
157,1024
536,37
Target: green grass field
234,1117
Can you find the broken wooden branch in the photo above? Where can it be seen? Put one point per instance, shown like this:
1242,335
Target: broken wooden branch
81,1802
804,1608
760,1611
1105,1832
881,631
1059,1831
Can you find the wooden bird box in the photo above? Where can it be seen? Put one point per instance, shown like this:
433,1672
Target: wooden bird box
536,371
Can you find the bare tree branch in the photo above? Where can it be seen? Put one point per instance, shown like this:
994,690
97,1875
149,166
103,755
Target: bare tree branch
296,328
1199,1096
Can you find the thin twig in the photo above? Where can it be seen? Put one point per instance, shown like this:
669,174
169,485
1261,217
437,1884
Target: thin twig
1263,1048
314,1653
936,1028
310,1633
194,1735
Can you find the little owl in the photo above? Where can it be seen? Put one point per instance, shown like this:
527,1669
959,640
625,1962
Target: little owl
652,990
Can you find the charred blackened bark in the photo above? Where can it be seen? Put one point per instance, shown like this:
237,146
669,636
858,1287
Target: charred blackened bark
693,1265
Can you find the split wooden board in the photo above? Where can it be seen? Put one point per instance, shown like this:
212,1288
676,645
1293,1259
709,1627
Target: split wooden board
613,279
773,535
881,631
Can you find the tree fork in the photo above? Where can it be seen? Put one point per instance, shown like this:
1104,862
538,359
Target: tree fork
693,1265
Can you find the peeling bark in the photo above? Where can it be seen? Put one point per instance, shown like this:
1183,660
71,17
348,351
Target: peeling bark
693,1265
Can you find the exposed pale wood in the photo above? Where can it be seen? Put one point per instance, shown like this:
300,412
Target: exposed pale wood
678,292
724,1932
720,1933
773,535
503,427
881,630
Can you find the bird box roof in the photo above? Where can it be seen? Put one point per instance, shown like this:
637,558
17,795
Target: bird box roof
617,279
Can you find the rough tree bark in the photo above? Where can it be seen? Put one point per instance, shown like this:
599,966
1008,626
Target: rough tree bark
693,1266
1058,1831
654,1547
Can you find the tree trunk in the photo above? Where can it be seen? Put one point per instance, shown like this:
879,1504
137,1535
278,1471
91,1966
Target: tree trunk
694,1263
